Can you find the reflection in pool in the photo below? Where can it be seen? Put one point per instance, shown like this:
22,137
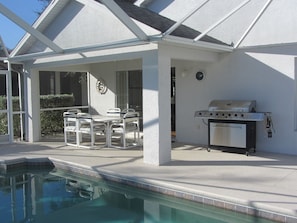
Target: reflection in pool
56,196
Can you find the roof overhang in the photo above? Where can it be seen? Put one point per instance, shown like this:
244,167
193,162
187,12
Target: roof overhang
95,56
182,42
197,44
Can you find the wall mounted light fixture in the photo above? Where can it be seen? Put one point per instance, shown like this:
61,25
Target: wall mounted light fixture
200,75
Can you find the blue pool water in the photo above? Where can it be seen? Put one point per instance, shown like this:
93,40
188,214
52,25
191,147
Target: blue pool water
57,197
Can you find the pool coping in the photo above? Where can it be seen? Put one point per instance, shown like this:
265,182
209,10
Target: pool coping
202,197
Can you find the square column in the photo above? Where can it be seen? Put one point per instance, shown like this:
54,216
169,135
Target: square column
156,108
32,97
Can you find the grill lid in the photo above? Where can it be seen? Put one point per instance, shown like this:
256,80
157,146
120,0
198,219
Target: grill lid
232,105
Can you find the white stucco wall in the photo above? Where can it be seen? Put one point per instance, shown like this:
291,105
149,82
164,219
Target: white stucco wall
87,23
100,103
265,74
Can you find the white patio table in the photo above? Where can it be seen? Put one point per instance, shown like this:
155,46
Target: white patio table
108,120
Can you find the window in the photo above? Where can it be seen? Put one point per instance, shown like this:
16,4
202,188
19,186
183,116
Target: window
60,91
52,83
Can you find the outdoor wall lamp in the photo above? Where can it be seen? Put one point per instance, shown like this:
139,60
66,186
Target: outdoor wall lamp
200,75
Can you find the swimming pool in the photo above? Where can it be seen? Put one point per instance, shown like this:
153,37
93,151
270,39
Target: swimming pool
58,196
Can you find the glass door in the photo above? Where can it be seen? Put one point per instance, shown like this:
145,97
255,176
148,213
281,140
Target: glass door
129,91
135,90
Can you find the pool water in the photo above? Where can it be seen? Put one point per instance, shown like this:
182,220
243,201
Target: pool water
55,196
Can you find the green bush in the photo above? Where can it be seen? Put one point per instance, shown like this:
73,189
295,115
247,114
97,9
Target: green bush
3,116
51,121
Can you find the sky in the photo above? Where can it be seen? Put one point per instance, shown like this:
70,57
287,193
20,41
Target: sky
10,33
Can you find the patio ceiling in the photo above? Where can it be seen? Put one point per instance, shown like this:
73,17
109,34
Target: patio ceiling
170,31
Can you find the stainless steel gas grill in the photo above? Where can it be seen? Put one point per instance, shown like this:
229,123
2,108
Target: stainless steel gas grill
232,124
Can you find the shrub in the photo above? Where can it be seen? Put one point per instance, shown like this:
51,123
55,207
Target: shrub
3,116
51,121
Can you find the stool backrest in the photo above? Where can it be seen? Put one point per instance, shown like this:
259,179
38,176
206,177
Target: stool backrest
114,112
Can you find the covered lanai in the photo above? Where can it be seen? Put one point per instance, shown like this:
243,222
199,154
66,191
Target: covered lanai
106,38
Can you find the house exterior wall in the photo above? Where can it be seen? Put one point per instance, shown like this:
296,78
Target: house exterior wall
265,74
156,99
100,103
78,22
84,23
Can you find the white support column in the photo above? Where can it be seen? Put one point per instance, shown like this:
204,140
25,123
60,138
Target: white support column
295,97
33,105
156,108
9,104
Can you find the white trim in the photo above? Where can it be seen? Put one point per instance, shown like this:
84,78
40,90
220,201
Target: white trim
20,105
221,20
20,22
198,44
295,96
124,53
104,46
64,108
9,104
265,46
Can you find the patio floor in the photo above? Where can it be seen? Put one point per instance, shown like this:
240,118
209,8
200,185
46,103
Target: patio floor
264,181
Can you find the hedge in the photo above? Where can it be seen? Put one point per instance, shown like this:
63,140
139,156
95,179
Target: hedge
51,121
3,116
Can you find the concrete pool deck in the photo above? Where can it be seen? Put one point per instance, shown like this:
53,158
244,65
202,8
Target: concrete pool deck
264,181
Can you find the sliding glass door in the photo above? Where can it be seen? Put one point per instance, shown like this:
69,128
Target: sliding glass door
129,90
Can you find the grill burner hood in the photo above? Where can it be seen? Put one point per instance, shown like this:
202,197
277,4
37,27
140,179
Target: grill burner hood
232,110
